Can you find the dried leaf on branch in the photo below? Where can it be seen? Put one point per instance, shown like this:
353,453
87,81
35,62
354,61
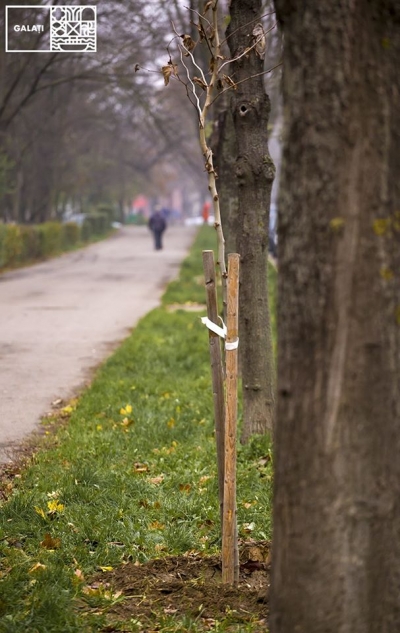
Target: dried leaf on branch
168,70
259,39
200,83
229,82
188,43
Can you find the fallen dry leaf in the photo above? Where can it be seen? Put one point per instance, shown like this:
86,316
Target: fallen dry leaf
37,567
40,512
66,411
156,525
55,507
126,410
50,543
126,422
160,547
89,590
140,468
203,479
156,480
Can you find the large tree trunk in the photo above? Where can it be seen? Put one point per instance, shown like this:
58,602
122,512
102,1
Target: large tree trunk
336,558
254,172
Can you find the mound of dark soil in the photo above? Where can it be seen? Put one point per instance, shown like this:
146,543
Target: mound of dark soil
190,585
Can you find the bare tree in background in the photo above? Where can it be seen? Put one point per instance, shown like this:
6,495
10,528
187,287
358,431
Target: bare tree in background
81,129
336,545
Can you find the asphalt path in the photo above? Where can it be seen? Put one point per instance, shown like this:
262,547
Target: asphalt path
61,318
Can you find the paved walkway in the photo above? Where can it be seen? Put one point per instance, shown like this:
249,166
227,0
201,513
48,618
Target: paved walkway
59,319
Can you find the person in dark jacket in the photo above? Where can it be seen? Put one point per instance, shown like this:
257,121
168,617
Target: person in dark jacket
157,226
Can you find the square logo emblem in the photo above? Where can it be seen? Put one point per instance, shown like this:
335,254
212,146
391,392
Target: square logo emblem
41,29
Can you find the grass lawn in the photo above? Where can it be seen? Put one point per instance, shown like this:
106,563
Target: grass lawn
121,501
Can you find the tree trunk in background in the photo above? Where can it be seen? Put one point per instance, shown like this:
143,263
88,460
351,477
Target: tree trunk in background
336,553
224,147
18,214
225,151
254,172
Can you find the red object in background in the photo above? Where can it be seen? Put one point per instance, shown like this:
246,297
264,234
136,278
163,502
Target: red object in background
206,212
141,205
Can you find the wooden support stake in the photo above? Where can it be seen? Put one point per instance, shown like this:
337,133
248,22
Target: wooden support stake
217,374
230,562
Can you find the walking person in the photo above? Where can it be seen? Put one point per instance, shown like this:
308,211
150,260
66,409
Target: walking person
157,226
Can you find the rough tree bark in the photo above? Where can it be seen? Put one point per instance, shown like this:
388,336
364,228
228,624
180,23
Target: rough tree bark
225,151
336,558
254,171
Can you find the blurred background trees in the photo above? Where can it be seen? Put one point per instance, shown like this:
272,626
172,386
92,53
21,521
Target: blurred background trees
80,129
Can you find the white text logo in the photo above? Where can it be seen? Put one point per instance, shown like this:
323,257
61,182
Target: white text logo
41,29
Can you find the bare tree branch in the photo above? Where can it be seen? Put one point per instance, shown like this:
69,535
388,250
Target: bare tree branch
264,72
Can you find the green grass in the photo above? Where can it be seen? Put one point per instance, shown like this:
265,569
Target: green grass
189,287
272,296
125,486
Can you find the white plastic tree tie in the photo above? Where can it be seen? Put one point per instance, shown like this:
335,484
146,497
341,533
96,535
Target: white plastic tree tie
221,331
231,346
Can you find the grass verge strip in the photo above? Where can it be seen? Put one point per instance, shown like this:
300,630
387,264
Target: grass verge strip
129,479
